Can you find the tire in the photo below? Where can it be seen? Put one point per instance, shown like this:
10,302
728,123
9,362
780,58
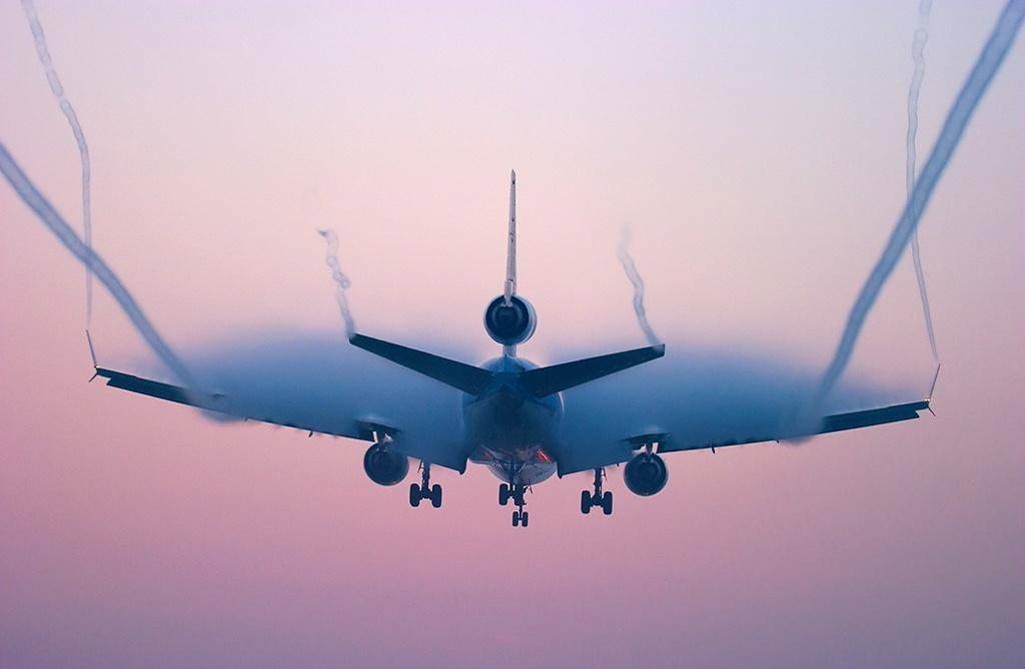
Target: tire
585,502
606,503
436,496
516,518
524,517
414,494
503,494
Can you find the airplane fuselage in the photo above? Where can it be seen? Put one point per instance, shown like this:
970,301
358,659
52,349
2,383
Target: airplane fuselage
508,428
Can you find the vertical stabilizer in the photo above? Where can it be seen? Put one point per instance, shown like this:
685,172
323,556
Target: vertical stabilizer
510,257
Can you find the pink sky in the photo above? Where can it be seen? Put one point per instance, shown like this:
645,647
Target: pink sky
757,153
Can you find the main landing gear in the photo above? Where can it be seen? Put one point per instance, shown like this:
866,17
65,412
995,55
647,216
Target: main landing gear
424,489
520,518
588,500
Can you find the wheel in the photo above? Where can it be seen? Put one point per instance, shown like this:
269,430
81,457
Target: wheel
436,496
524,517
414,494
516,518
503,494
606,503
585,502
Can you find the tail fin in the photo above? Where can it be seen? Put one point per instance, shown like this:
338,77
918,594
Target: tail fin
510,257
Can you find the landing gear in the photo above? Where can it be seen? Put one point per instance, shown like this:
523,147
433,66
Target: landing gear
424,489
589,500
515,493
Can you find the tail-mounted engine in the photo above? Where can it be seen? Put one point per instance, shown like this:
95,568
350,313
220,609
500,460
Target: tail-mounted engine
646,474
385,466
510,322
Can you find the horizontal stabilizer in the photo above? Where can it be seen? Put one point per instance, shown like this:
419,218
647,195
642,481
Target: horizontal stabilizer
549,380
469,379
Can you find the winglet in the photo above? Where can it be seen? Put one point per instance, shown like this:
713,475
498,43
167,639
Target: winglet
932,389
92,354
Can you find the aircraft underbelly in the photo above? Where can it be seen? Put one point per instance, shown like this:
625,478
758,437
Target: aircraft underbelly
512,437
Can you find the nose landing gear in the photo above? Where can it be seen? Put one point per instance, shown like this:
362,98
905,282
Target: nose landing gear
424,489
515,492
588,500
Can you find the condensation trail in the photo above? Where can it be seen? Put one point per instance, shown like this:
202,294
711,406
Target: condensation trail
49,216
960,114
342,282
630,267
76,128
918,55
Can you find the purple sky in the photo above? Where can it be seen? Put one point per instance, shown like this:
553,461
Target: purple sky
757,151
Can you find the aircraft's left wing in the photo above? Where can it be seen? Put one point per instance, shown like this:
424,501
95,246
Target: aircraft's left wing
322,386
160,390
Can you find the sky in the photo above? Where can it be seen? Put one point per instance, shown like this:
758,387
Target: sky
756,151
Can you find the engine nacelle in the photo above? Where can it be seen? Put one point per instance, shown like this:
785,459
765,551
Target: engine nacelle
385,466
646,474
512,323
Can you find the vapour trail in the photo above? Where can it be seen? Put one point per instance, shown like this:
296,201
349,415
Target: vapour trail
918,55
27,191
76,128
987,65
342,282
630,267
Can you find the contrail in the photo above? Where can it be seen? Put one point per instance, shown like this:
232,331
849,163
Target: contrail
76,128
27,191
638,283
918,55
960,114
342,282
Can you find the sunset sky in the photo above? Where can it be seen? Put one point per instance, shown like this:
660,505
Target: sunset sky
755,150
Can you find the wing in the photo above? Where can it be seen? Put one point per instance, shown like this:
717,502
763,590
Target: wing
706,399
322,385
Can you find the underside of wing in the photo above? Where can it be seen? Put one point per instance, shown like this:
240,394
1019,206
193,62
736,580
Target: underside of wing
319,384
704,399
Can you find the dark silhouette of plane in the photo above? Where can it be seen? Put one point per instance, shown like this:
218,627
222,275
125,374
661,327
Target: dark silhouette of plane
514,420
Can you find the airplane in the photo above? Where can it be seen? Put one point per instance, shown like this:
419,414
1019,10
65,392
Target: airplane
513,418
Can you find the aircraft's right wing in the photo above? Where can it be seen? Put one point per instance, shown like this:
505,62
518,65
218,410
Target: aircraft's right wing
703,400
838,422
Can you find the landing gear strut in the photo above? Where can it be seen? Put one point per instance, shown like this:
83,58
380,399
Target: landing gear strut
515,492
588,500
424,489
